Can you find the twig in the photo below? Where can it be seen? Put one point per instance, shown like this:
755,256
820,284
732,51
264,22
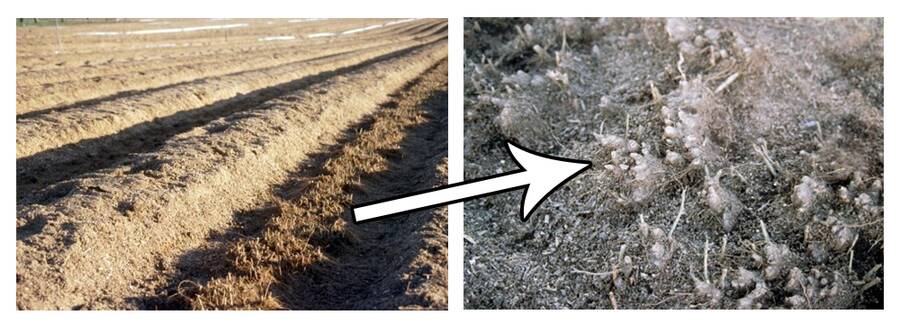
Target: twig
734,172
469,239
654,92
680,212
765,232
819,133
727,82
850,264
764,153
600,274
724,246
806,295
670,298
871,284
722,279
853,245
872,272
678,65
874,244
612,299
852,253
860,225
564,43
706,258
806,234
627,125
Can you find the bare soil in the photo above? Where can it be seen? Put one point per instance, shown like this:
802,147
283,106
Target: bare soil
738,163
92,82
172,197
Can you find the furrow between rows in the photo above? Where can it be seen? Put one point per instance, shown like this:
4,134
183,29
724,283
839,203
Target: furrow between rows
73,44
91,71
55,129
189,47
31,98
112,237
37,173
305,255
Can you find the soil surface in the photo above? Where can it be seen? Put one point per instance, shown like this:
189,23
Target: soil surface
738,163
218,175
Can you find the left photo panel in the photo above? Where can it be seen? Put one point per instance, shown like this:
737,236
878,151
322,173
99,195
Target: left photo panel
199,164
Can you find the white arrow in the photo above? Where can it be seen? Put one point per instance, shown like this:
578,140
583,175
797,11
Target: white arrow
538,174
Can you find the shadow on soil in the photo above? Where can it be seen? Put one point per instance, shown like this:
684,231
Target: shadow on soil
365,272
36,174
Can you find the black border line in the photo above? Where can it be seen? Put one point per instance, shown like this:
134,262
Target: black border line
521,169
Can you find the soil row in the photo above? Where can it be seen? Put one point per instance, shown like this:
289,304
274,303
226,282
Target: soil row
55,129
72,50
45,95
129,61
304,254
109,240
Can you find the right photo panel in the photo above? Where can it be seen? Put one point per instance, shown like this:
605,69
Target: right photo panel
686,163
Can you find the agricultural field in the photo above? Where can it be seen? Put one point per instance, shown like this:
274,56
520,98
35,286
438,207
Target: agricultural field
211,164
737,163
